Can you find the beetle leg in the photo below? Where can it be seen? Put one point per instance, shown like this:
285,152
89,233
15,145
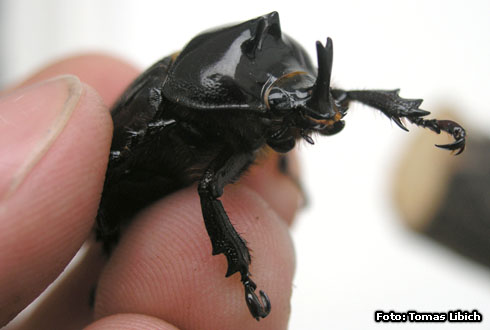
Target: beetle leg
388,102
395,108
224,238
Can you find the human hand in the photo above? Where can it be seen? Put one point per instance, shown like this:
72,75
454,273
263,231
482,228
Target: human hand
54,144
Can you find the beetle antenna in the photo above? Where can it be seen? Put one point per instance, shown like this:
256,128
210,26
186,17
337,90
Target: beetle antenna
305,136
321,89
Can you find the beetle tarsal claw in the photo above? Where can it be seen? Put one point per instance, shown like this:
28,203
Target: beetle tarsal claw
452,128
457,132
259,308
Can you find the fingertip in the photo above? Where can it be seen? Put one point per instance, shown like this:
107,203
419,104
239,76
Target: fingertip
163,265
130,322
45,220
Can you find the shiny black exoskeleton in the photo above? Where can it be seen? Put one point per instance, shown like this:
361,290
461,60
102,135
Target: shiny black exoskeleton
204,114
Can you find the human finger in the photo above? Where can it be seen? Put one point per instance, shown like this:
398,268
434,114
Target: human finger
110,76
54,141
130,322
163,265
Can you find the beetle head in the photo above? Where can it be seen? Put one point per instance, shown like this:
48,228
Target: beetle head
313,98
255,67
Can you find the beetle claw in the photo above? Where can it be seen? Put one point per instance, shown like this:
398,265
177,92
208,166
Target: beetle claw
448,126
259,308
457,132
458,144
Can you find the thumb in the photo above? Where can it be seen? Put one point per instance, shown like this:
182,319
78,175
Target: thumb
54,144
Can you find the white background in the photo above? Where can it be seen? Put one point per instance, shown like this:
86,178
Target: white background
354,255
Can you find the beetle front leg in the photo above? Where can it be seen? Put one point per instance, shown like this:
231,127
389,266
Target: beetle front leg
387,101
395,108
224,238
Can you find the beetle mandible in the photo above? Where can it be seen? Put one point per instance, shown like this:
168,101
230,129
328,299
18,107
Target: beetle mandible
205,113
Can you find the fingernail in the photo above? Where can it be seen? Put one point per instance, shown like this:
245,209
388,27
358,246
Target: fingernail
30,121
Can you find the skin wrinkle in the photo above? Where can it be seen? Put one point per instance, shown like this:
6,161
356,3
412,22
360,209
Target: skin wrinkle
242,211
148,261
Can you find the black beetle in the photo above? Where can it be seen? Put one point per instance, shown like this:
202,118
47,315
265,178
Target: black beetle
205,113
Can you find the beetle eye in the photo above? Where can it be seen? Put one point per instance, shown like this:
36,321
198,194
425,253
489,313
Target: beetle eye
278,99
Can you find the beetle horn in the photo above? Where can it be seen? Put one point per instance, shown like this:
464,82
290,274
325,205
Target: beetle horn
273,24
320,97
267,24
250,46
